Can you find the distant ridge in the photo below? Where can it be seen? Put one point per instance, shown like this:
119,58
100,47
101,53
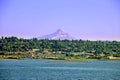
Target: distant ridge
59,34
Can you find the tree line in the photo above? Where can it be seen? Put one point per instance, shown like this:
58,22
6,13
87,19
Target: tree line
14,44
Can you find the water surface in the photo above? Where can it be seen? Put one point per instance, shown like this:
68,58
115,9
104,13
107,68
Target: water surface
31,69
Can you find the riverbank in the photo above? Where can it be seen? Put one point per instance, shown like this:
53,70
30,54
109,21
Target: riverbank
10,57
69,58
113,58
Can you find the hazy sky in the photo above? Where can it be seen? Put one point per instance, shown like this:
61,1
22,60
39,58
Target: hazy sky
91,19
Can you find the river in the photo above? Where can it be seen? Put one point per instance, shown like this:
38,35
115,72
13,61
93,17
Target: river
42,69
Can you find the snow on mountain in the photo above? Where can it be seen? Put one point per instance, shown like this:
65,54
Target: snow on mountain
59,34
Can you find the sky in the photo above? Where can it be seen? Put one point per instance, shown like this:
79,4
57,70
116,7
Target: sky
89,19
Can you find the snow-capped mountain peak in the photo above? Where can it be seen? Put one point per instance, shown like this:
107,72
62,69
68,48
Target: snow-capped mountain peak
59,34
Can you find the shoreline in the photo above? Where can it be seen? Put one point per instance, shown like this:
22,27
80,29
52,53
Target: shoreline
61,59
68,58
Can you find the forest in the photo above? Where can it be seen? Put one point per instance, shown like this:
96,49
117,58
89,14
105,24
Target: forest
13,46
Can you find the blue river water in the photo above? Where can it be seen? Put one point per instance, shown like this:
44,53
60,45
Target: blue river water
41,69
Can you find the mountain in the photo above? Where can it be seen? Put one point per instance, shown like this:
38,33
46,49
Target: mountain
59,34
